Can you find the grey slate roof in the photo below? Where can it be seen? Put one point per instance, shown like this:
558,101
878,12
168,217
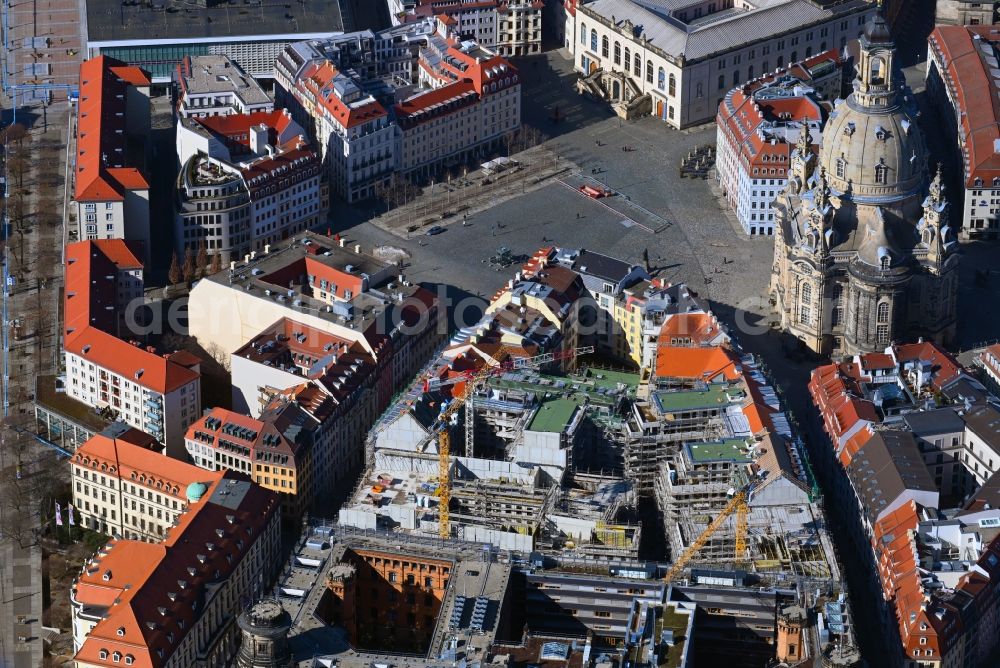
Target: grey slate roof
705,36
929,423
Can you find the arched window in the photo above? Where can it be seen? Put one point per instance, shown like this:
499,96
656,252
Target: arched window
593,40
805,304
809,51
882,314
881,173
877,70
750,73
699,90
661,79
618,53
604,46
638,66
722,81
736,78
583,34
628,59
649,71
781,61
794,58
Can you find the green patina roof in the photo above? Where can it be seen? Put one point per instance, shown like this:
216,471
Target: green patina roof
554,415
730,449
716,396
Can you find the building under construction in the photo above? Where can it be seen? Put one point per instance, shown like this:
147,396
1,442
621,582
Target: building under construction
514,469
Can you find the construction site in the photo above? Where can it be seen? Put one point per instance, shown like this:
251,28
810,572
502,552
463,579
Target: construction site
510,437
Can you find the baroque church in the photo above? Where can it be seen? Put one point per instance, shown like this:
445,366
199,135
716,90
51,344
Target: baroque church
864,254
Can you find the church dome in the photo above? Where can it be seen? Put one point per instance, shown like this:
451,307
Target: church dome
876,157
872,147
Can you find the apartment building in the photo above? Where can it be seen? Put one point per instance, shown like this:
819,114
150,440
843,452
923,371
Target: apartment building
411,99
246,181
104,280
989,362
214,85
919,478
175,603
123,487
761,123
509,28
321,284
159,394
961,66
110,192
276,452
678,64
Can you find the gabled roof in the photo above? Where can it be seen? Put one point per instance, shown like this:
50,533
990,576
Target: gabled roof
701,363
101,173
141,465
91,279
162,588
146,368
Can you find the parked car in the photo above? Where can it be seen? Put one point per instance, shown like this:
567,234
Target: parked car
437,229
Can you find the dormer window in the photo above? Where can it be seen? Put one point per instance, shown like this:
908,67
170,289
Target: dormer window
121,631
849,129
881,173
881,134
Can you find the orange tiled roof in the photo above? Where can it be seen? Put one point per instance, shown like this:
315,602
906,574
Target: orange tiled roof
160,587
968,75
101,174
146,368
698,328
702,363
90,279
132,462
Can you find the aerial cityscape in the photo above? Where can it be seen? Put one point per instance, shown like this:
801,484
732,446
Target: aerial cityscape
500,334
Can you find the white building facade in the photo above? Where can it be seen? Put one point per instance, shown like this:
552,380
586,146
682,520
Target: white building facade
679,68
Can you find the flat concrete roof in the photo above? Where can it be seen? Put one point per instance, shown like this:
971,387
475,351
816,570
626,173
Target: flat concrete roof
115,20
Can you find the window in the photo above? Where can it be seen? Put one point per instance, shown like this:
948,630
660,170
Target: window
661,79
841,168
882,334
638,66
722,81
593,40
618,54
628,59
881,173
882,314
672,86
604,46
583,34
736,78
805,306
649,71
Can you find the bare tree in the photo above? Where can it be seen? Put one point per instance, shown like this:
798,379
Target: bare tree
216,263
201,264
189,269
174,275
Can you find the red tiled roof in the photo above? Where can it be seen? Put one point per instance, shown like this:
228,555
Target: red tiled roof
975,94
701,363
146,368
318,80
944,367
101,174
131,462
699,328
90,278
158,588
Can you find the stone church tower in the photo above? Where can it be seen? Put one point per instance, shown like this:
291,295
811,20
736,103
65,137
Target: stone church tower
863,253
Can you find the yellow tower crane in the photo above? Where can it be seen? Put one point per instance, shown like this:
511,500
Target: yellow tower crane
739,504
